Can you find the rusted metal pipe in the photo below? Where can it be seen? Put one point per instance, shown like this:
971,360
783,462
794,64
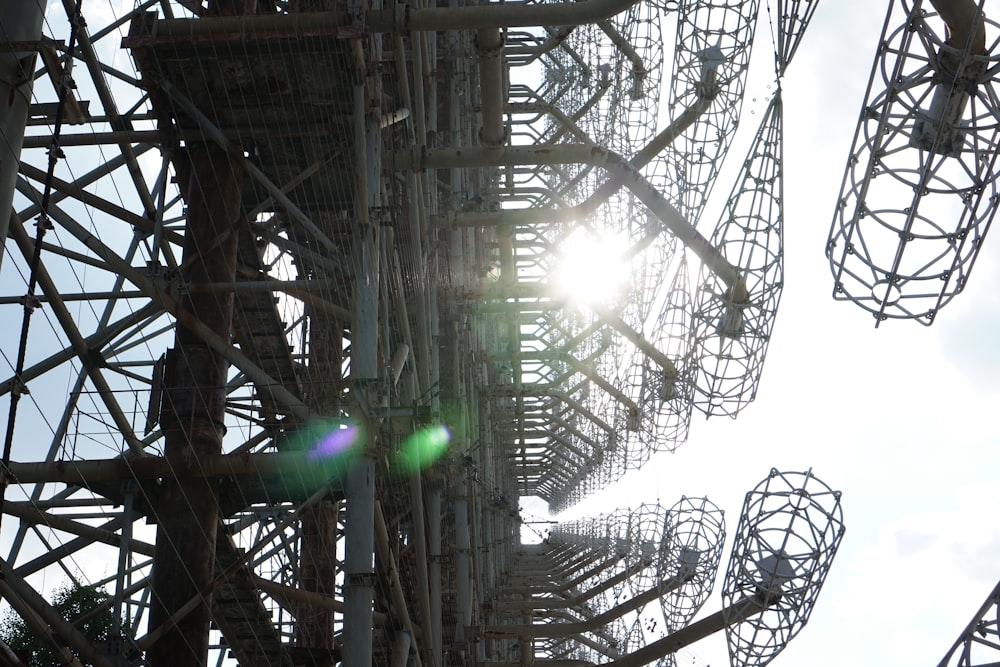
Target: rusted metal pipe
291,465
386,557
674,642
966,26
940,127
493,135
193,414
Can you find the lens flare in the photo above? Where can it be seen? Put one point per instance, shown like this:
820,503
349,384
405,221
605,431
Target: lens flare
334,443
422,448
321,452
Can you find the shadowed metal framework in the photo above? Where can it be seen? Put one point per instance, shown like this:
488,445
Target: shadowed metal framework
290,336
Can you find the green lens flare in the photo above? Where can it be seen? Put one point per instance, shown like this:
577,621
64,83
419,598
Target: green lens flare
422,448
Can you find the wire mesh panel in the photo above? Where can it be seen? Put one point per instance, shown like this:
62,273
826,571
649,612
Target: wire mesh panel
302,277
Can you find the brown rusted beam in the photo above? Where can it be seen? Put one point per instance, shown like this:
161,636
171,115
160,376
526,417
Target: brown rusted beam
298,466
193,415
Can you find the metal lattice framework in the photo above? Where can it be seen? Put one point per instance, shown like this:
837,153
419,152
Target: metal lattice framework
714,43
630,560
790,529
920,190
696,534
732,331
791,526
295,334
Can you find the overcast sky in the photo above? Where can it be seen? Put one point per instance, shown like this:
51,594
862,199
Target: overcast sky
902,419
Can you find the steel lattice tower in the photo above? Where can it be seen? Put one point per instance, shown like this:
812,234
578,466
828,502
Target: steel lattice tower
287,341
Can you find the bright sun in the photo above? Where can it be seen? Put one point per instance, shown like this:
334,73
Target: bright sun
590,269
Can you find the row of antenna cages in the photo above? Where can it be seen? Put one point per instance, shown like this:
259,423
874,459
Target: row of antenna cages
789,530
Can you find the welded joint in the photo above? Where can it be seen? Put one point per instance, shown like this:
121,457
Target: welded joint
7,477
366,395
360,579
708,86
485,49
30,302
494,142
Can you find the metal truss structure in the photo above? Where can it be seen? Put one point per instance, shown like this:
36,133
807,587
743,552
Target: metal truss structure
609,568
295,324
920,191
979,644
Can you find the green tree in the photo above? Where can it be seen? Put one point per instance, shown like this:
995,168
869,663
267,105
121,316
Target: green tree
73,602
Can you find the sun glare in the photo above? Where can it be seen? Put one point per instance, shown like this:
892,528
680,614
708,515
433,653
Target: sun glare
591,269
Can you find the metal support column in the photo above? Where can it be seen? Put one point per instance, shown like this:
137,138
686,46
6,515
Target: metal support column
19,22
317,574
359,565
359,560
435,553
462,573
193,415
318,557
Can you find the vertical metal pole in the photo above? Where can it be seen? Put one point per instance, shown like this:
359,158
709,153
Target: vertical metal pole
359,564
420,542
486,555
489,44
435,547
359,560
193,414
318,558
420,203
526,643
318,529
462,574
19,22
121,609
401,648
317,574
475,548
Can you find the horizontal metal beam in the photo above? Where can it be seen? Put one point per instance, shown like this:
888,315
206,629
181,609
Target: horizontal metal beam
27,512
293,465
734,613
95,138
575,628
396,18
